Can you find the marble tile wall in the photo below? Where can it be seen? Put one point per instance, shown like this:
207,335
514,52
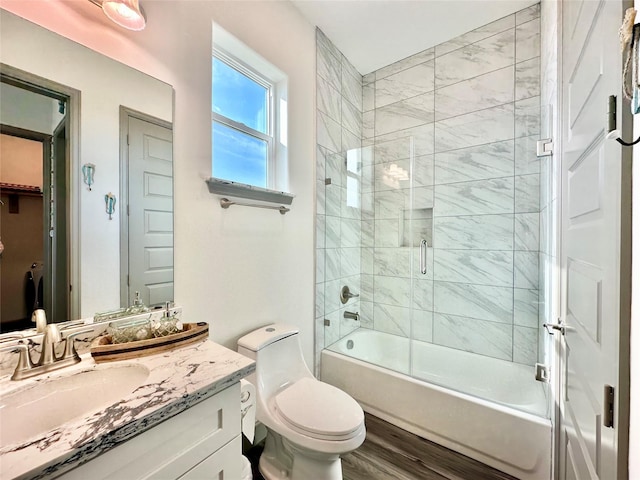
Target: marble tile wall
339,235
469,110
472,109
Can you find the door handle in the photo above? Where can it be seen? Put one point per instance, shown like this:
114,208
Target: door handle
423,257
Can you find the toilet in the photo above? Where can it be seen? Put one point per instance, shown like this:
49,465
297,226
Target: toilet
310,424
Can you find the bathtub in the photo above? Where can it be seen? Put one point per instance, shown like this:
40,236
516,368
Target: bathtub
505,428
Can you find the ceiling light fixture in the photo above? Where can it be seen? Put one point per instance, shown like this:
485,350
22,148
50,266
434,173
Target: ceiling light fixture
126,13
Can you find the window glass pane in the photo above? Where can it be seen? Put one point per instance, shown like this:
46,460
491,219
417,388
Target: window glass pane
239,98
238,156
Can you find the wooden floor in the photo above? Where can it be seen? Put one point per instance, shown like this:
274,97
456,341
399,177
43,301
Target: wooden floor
390,453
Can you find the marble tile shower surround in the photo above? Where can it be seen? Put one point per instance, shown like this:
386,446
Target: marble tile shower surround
471,107
338,219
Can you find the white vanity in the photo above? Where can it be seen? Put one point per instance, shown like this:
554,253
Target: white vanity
181,421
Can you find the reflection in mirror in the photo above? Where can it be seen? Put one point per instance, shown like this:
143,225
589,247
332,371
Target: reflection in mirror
146,173
33,162
99,263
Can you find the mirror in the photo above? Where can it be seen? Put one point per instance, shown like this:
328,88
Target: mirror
120,121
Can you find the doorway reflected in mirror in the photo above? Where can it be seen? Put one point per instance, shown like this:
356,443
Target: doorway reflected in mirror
34,209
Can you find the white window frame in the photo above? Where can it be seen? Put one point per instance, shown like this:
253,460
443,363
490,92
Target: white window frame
247,61
270,87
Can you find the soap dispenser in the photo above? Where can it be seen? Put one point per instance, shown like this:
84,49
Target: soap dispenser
168,324
138,305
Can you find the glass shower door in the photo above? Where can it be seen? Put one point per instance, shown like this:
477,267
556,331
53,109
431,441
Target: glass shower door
369,243
421,232
390,250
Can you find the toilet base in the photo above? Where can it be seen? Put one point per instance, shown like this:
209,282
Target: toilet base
283,460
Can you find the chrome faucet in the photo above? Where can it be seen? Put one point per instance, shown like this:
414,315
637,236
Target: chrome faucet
48,361
353,316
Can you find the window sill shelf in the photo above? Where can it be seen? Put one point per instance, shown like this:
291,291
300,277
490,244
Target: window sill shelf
249,192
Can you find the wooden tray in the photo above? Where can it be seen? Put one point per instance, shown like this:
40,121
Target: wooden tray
102,350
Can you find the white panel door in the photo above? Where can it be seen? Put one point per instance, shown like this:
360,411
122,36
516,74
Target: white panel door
150,212
591,235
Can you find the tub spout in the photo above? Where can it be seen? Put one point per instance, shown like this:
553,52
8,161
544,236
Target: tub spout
353,316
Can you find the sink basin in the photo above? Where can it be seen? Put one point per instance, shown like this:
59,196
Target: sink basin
45,405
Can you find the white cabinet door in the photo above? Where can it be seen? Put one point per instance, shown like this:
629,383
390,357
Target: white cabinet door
225,464
173,447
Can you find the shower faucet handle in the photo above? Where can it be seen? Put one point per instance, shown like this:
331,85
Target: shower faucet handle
345,295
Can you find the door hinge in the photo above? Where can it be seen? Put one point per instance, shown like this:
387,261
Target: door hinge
554,327
127,139
544,147
542,373
608,406
128,280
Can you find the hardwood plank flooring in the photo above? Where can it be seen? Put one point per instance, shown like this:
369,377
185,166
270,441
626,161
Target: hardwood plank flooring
390,453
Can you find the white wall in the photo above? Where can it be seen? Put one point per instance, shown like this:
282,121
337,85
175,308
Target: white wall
238,268
24,109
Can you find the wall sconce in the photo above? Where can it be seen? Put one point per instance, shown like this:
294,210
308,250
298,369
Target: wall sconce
126,13
110,204
88,169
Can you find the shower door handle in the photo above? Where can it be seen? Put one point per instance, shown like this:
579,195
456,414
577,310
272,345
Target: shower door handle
423,257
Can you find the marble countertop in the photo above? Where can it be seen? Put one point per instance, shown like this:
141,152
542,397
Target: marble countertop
177,380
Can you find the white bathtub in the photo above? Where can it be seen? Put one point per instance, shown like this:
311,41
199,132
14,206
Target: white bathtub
505,437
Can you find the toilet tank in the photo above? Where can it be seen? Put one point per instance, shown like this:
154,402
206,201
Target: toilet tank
276,351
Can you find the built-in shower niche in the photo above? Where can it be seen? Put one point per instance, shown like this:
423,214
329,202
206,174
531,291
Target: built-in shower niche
416,224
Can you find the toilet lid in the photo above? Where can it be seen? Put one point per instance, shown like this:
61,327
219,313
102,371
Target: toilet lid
319,409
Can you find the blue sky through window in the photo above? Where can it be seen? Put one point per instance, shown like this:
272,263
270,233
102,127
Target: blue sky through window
237,97
238,156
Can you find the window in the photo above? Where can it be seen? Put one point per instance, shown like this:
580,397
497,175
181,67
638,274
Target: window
248,116
242,130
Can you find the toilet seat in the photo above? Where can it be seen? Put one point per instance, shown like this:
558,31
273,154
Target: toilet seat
319,410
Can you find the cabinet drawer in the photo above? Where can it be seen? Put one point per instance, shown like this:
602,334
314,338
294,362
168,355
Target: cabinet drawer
173,447
225,464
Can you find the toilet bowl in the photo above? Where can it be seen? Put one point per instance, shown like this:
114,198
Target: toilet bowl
310,424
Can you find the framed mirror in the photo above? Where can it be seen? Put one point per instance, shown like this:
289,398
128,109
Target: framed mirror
99,259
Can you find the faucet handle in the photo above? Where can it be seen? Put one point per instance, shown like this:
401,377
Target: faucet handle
345,294
70,347
24,360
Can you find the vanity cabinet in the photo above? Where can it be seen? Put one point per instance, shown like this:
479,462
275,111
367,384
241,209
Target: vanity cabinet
203,442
